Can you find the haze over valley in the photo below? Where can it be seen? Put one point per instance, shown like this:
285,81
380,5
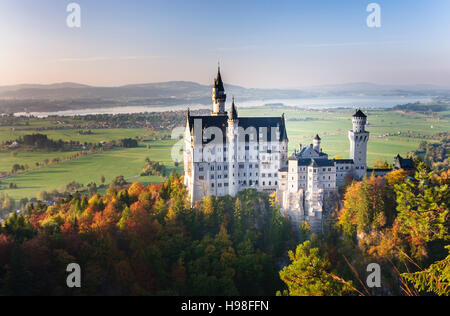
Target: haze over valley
148,97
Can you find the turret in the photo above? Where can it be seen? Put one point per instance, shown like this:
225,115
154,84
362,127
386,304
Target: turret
359,122
233,145
218,96
359,138
233,115
316,143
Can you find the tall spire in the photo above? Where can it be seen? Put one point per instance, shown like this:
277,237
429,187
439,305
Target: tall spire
233,115
218,83
219,96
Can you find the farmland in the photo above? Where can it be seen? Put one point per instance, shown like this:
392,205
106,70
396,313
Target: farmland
392,133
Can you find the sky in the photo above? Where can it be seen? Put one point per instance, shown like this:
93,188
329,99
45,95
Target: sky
259,43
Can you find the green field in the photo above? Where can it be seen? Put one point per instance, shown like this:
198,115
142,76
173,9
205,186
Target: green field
126,162
302,126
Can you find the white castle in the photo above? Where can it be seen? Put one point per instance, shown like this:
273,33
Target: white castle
225,154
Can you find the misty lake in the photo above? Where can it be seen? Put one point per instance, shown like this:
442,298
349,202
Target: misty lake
306,103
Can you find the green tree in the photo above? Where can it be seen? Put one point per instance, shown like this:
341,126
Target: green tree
423,211
310,274
435,279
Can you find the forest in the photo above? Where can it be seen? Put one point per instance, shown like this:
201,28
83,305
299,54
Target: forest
148,240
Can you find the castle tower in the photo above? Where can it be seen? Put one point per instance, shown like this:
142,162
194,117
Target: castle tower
218,96
233,139
316,143
359,138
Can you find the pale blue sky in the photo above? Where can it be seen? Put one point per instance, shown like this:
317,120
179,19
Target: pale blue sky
260,43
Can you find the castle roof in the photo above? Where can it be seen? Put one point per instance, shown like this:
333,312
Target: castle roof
360,114
218,83
306,162
344,161
221,122
403,163
233,113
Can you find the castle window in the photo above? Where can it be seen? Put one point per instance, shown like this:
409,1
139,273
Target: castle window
201,178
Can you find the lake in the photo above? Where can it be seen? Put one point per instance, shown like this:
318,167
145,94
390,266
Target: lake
307,103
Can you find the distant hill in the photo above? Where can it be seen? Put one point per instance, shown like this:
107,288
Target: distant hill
371,89
69,96
173,89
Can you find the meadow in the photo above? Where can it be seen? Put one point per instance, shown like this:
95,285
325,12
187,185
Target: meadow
126,162
388,138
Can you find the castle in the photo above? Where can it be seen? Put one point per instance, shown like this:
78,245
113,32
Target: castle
225,154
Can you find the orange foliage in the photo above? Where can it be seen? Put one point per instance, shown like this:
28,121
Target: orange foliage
135,190
396,177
